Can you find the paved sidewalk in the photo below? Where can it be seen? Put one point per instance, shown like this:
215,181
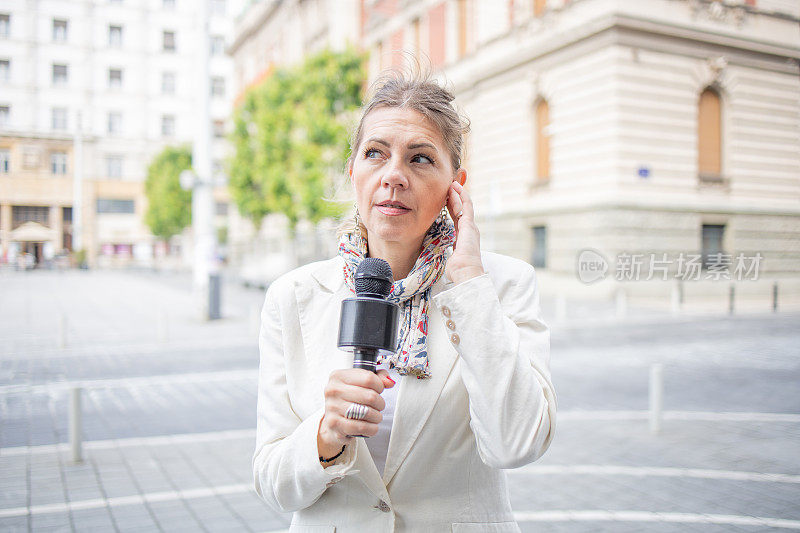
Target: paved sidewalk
169,424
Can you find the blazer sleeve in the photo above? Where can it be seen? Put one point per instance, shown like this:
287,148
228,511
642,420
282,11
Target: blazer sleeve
286,468
505,354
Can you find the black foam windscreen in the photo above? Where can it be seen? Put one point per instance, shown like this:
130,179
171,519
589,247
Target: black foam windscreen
373,278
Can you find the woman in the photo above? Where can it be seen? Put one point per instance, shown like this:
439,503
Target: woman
467,394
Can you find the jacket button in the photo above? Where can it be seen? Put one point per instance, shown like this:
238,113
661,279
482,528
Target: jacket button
446,311
451,324
383,506
454,338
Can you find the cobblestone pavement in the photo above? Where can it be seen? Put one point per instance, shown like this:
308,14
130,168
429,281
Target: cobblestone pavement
169,412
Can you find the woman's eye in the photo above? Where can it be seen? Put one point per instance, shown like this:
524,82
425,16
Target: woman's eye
429,160
369,151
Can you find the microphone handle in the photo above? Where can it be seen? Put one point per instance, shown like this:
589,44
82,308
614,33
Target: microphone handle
365,358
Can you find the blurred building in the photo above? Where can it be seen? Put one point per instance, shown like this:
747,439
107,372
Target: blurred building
127,69
641,128
270,34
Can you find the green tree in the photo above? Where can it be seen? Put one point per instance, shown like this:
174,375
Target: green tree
169,208
290,136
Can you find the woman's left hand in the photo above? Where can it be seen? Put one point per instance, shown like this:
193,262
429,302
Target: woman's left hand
465,263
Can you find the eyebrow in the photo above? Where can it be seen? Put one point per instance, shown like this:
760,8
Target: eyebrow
410,146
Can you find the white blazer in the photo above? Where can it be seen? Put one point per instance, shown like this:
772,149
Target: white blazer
489,405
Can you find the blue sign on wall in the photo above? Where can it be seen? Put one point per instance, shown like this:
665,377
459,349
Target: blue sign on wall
644,172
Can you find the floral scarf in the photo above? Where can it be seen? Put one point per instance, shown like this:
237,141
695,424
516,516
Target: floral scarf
412,294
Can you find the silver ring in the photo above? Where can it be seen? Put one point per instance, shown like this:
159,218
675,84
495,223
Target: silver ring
356,411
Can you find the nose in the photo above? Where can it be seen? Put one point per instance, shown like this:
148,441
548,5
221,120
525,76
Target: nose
394,176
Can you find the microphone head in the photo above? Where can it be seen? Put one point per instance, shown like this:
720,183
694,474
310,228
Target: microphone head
373,278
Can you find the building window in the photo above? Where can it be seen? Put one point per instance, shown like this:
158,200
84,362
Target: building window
114,123
168,125
5,25
5,70
217,45
709,136
114,205
712,242
59,31
21,214
538,7
168,41
5,114
217,87
168,4
462,27
59,118
58,163
542,140
539,259
59,75
114,78
219,129
114,166
115,36
221,209
167,83
5,161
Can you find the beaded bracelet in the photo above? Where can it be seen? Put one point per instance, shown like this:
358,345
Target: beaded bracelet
334,457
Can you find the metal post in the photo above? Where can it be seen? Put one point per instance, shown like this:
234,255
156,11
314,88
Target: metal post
255,320
622,303
775,297
731,296
62,330
75,425
162,326
561,307
675,298
213,296
656,397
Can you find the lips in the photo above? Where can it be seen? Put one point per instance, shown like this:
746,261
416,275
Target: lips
392,208
393,203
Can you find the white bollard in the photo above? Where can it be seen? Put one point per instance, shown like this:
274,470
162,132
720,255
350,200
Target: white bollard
163,326
675,299
75,423
561,307
255,320
656,396
62,330
622,303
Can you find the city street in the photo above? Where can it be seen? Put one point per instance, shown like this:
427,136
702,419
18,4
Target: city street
169,415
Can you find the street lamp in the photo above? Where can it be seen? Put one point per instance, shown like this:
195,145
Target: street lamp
205,268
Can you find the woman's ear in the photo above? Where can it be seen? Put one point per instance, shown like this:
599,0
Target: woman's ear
461,176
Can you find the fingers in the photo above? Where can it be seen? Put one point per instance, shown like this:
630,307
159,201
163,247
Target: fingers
464,200
387,381
346,387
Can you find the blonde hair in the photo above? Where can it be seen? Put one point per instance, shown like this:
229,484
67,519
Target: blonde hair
414,89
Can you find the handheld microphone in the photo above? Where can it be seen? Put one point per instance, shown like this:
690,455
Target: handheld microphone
368,322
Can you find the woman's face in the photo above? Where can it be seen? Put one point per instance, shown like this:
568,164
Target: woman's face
401,173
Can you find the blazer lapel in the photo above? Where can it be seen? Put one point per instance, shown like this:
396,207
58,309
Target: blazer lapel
417,397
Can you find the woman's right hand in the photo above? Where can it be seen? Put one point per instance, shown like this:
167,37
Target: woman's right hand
346,386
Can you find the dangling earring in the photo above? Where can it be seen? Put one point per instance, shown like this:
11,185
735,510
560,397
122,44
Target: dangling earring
357,221
442,216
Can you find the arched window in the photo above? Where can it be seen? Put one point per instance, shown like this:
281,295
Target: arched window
709,136
542,140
